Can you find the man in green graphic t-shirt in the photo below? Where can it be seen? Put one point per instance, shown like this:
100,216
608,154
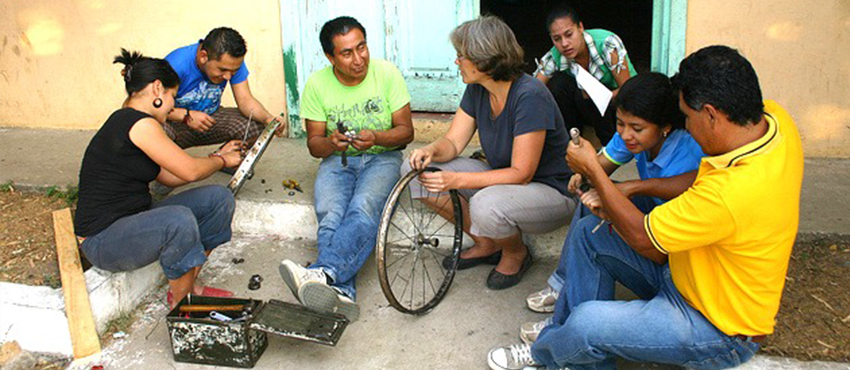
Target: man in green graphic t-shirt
358,170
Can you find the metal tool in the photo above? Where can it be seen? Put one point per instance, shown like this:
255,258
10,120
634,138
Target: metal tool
212,307
574,135
340,126
215,315
246,169
255,281
351,135
601,222
292,184
247,128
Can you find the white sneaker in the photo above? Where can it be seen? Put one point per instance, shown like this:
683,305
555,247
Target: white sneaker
514,357
529,331
322,297
542,301
296,276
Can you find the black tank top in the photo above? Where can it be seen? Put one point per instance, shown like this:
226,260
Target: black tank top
114,176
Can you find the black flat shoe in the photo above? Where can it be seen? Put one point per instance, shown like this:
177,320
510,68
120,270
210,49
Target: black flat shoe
465,263
498,281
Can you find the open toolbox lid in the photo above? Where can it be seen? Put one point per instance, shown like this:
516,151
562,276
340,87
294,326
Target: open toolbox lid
294,321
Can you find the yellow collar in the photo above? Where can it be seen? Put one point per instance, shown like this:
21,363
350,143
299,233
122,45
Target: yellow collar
762,144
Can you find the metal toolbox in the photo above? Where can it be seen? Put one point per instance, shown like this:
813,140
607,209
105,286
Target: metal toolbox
240,341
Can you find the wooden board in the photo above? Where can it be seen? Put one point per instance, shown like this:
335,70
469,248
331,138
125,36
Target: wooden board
84,338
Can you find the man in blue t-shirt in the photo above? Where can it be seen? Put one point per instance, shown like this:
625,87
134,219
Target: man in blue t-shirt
205,68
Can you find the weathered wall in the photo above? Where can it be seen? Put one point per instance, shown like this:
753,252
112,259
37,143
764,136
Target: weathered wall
56,66
800,52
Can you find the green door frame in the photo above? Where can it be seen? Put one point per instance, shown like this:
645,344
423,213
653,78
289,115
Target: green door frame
669,26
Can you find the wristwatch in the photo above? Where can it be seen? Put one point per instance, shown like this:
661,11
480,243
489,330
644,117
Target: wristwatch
187,118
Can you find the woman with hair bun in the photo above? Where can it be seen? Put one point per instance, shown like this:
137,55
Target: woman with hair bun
522,188
118,225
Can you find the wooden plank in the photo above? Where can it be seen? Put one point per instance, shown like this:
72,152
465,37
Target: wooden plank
84,338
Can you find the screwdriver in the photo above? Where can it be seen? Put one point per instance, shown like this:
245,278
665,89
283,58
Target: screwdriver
574,134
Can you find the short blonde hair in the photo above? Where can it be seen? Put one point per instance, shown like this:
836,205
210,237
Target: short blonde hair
491,46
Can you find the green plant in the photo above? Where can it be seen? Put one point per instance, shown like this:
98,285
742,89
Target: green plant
52,281
6,187
69,194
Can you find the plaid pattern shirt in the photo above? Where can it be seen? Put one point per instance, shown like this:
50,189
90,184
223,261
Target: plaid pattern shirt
612,43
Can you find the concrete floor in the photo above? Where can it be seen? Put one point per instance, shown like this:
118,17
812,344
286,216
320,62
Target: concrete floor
457,334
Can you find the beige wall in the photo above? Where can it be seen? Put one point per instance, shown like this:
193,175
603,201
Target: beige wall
801,52
56,66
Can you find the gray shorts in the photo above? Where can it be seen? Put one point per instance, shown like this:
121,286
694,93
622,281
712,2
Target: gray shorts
500,211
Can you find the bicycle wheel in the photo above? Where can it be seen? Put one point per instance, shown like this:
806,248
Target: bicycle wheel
413,242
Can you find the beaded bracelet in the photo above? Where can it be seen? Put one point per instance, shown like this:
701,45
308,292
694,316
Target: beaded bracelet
217,154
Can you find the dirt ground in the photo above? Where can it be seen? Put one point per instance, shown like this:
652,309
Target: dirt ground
27,248
813,321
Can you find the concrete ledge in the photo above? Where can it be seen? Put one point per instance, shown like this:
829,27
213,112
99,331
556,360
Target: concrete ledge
34,316
292,220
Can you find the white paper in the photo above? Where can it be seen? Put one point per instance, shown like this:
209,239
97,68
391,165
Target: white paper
597,92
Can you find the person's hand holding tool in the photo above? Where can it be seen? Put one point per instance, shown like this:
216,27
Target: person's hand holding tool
340,140
580,157
231,152
363,140
420,158
200,121
283,129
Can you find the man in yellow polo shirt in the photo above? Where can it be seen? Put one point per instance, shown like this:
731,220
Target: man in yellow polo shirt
709,266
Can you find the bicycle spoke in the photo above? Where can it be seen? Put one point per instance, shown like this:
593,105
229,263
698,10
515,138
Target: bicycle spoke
437,213
412,277
396,261
412,240
446,222
434,254
409,217
425,268
396,242
399,270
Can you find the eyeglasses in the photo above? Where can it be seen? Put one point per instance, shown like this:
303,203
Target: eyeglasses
460,58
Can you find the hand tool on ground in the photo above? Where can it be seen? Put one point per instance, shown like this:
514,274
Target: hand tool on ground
292,184
254,282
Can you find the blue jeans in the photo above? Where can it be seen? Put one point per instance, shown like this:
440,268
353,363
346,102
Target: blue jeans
556,280
175,231
349,202
590,329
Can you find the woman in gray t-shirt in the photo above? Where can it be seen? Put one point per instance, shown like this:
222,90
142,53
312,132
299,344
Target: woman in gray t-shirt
522,186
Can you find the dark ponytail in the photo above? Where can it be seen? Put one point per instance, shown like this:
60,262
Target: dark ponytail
140,70
651,97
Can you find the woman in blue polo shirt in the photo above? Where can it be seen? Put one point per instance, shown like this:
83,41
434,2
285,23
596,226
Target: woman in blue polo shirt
650,130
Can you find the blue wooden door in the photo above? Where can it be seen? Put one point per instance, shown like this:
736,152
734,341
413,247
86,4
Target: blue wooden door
418,43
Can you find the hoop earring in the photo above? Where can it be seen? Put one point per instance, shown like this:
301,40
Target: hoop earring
157,103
